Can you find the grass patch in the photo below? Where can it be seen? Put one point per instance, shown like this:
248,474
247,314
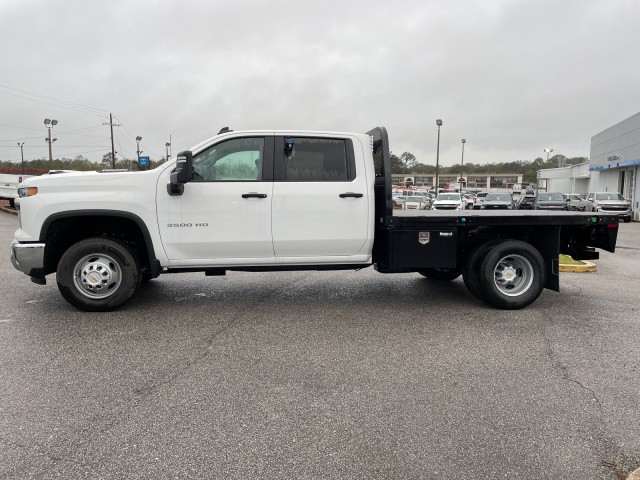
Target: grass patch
567,260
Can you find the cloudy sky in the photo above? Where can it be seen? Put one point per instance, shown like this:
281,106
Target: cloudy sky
511,76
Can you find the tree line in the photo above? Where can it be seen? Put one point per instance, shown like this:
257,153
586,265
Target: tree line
79,162
407,163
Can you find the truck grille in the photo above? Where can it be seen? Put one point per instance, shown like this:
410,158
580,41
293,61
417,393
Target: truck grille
615,208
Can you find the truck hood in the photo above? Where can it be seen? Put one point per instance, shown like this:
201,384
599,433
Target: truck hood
74,181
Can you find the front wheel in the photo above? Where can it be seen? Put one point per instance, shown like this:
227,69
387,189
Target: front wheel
97,274
512,275
443,274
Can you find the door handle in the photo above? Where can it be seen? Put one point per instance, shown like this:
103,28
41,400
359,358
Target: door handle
254,195
351,195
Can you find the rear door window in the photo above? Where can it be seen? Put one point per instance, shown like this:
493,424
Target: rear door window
309,159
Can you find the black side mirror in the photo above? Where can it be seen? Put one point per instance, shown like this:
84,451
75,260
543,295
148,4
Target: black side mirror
182,174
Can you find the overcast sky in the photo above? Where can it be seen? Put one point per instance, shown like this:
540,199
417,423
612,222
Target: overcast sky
511,76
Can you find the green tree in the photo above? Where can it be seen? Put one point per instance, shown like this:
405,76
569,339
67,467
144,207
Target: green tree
408,160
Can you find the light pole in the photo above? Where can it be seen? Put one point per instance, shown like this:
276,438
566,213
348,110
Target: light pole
22,155
138,151
437,184
462,166
168,145
50,124
548,150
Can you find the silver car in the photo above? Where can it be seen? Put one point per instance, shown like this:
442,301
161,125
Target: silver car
497,201
575,201
610,202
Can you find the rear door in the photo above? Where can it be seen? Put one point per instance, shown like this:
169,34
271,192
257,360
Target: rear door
320,199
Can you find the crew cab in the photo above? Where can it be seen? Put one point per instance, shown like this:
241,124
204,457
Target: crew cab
274,201
610,202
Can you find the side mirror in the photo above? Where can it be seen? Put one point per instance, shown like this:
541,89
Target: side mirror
182,174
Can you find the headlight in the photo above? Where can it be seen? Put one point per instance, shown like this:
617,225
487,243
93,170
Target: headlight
27,191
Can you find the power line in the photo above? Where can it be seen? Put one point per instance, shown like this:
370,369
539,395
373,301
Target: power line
67,103
52,104
132,136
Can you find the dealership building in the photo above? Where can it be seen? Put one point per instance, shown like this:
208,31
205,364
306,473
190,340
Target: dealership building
480,181
614,164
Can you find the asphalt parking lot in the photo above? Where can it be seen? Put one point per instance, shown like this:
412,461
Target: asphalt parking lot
322,375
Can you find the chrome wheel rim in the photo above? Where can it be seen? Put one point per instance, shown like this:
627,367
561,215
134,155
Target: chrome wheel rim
513,275
97,276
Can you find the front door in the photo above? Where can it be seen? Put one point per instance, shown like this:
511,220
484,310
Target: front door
224,214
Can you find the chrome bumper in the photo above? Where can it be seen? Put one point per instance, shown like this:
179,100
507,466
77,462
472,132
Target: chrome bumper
27,257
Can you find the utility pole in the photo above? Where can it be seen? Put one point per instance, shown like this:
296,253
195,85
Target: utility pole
437,182
113,150
462,182
22,155
168,145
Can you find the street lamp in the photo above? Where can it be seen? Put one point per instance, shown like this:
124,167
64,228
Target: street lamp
50,124
462,165
22,155
548,150
437,184
138,151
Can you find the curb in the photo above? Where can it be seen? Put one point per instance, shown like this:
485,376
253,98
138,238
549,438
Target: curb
585,267
9,210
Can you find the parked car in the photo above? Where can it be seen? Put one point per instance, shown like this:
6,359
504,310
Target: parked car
9,186
497,201
417,201
610,202
468,200
549,201
448,201
526,202
477,204
575,201
411,199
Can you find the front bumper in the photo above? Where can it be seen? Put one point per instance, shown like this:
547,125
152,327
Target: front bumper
620,213
28,257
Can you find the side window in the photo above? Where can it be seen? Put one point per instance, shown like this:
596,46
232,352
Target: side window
319,160
238,159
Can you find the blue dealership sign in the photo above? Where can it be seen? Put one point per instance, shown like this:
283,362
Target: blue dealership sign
143,162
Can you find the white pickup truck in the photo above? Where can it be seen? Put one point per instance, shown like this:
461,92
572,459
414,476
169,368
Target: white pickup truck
9,186
287,200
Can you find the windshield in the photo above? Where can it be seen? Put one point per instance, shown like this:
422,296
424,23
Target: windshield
449,196
550,197
498,197
609,196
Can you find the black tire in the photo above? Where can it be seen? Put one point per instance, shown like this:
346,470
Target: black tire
97,274
471,267
442,274
512,275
